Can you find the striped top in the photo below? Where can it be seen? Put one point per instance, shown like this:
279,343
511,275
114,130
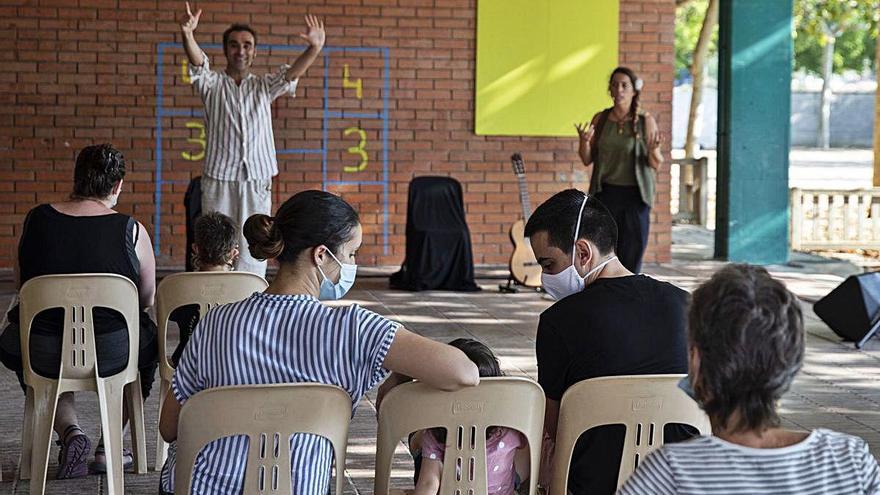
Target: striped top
268,339
825,462
240,144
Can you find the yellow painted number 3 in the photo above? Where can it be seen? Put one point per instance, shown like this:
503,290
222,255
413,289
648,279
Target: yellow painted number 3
358,150
199,140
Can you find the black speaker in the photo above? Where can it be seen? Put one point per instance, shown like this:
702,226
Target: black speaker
852,310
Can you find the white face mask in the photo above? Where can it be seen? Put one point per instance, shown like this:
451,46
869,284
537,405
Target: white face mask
569,281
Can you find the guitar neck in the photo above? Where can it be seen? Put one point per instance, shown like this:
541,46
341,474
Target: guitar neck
524,197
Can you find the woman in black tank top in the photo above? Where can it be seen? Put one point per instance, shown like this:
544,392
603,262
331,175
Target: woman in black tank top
84,235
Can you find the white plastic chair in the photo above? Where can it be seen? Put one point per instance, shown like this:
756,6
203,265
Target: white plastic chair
268,415
643,403
78,295
208,290
510,402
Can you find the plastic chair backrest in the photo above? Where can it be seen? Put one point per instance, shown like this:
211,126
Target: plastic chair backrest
511,402
78,294
643,403
208,290
268,415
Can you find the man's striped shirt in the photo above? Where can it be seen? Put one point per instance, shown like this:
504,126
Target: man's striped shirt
826,462
268,339
240,144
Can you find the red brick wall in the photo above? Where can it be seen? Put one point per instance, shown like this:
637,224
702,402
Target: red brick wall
85,72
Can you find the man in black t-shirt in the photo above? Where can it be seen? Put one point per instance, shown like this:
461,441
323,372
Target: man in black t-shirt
606,322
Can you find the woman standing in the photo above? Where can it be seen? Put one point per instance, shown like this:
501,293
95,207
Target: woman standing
622,146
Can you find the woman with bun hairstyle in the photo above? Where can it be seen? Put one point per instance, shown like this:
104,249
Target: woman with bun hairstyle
621,148
288,335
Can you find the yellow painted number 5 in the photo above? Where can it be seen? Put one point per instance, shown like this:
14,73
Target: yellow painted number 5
199,140
358,150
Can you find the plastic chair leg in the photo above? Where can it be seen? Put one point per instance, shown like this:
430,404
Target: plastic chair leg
45,404
161,446
135,401
110,403
27,436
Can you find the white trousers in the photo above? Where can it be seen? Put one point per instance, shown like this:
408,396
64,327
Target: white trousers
239,200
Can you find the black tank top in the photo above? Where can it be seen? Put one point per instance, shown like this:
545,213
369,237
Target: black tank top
53,243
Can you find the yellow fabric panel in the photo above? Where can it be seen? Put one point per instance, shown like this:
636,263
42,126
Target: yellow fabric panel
543,65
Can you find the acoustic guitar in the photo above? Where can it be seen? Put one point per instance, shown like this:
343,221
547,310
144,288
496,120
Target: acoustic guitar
524,269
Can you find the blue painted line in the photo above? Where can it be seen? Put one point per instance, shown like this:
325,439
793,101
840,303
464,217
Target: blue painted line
299,151
157,217
178,112
355,115
324,120
353,49
181,112
387,56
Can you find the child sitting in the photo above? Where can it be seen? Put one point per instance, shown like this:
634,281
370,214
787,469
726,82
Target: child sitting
506,449
215,249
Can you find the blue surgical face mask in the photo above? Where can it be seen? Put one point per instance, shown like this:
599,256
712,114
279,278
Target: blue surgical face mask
329,290
685,385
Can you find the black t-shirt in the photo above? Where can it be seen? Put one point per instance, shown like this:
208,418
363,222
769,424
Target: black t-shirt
632,325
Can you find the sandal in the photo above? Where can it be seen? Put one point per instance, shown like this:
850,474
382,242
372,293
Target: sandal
73,453
99,465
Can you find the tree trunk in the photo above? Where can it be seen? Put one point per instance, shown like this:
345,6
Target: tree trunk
824,137
697,71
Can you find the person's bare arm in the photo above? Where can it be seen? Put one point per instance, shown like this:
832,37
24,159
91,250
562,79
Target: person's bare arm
315,37
429,477
551,421
144,250
438,365
168,418
654,141
188,26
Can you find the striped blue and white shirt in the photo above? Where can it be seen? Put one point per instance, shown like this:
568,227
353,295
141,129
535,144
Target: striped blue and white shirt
240,144
825,462
268,339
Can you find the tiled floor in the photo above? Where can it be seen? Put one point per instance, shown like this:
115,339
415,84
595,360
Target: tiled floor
838,388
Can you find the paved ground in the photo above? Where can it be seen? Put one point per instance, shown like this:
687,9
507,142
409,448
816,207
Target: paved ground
838,388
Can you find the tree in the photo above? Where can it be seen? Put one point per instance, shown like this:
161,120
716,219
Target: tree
825,21
710,20
688,25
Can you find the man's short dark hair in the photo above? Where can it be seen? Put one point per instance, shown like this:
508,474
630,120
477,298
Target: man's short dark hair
216,235
235,28
557,216
749,331
98,168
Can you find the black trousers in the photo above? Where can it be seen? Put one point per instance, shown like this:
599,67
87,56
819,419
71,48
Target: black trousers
633,218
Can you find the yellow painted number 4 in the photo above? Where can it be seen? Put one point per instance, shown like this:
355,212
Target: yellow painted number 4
348,84
199,140
358,150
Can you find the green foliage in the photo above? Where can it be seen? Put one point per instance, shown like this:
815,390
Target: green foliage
688,22
853,23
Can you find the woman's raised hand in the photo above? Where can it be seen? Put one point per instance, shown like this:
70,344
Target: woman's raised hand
585,131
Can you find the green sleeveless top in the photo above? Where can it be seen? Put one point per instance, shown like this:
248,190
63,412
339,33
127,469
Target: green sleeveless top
622,160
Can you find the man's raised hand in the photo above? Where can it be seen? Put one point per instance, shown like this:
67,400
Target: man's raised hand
190,22
314,34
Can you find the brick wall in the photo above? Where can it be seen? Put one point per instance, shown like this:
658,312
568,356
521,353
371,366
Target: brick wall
85,71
